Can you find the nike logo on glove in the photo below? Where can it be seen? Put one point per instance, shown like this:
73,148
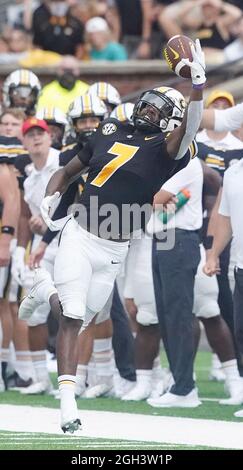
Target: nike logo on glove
115,262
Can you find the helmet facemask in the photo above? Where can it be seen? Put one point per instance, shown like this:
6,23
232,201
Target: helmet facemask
23,97
83,135
156,112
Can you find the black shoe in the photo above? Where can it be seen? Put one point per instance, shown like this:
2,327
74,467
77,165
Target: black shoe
72,426
4,374
15,381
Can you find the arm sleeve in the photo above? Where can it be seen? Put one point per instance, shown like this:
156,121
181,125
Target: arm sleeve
228,119
194,117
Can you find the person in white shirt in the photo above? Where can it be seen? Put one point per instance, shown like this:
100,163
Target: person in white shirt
219,150
228,223
234,50
45,161
174,270
219,100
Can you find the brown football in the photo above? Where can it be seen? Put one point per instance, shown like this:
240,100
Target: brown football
177,48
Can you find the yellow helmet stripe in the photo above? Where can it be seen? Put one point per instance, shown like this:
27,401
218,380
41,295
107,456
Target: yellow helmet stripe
102,90
163,89
87,104
25,77
21,78
120,113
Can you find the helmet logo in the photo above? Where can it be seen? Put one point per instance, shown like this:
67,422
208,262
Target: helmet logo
109,128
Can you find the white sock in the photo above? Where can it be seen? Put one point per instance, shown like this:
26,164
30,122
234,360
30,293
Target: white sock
92,374
144,376
231,370
5,355
24,365
66,385
104,359
81,375
216,364
157,369
40,365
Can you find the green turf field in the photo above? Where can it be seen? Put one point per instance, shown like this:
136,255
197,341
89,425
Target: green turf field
208,410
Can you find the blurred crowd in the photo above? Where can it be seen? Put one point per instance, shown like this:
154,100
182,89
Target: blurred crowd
38,33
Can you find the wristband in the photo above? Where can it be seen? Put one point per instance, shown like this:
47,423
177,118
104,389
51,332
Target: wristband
208,242
7,229
198,87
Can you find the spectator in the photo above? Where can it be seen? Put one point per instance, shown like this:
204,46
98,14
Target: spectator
11,121
228,221
210,20
136,26
99,39
3,45
16,46
19,41
55,29
65,88
234,50
20,14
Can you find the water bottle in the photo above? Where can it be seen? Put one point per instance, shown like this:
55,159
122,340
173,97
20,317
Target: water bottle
182,197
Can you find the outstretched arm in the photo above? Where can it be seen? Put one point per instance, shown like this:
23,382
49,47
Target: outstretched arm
220,120
63,177
180,139
58,184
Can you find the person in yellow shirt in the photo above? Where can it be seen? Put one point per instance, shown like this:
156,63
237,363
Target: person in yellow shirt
65,88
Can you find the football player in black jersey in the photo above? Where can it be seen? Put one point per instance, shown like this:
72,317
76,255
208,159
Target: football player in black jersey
127,166
21,89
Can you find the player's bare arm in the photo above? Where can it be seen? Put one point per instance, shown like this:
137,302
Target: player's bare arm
9,196
63,177
212,180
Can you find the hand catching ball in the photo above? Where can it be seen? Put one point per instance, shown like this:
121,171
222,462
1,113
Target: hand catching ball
176,49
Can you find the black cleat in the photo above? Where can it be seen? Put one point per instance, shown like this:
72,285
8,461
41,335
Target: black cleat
14,381
4,374
72,426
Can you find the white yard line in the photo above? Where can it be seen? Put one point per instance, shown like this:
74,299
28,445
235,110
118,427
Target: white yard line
131,427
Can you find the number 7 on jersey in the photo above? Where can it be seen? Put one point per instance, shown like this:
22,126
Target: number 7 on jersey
123,153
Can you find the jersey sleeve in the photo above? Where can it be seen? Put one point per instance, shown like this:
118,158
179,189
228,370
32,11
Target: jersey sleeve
193,149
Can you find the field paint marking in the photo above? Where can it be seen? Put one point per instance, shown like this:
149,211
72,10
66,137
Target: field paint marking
131,427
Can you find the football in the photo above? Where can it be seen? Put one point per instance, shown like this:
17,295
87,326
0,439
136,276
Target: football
177,48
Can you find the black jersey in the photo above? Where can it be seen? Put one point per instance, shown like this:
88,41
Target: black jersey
126,168
219,160
10,149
